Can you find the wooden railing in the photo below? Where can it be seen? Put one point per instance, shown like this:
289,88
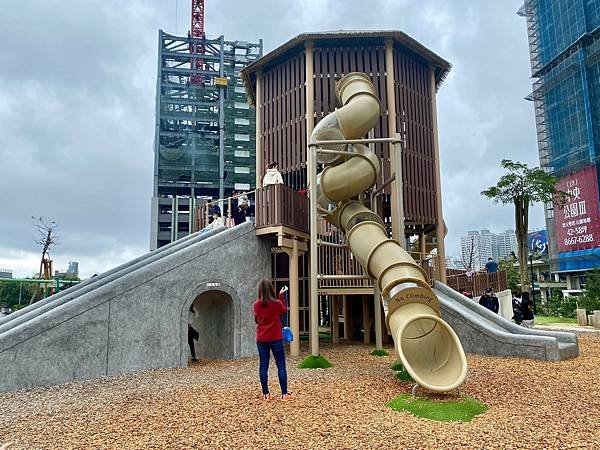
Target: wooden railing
336,265
280,206
430,263
477,283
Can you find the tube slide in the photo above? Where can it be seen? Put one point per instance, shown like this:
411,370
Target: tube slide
428,348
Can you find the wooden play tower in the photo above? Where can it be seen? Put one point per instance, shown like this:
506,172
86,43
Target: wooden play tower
292,89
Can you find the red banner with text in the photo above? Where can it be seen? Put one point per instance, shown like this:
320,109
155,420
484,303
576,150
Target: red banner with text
578,220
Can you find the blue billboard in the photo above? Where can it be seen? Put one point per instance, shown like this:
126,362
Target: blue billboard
537,242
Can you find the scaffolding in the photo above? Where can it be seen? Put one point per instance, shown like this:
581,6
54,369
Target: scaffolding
564,51
204,144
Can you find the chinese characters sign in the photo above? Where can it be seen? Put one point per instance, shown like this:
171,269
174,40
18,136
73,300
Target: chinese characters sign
578,220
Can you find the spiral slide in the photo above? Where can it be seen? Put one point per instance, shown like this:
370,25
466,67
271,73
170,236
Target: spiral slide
428,348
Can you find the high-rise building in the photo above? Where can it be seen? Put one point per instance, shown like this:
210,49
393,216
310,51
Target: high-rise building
504,244
73,268
564,43
477,246
204,142
6,273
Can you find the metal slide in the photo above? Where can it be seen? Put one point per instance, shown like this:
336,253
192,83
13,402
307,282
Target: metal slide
485,333
428,348
49,303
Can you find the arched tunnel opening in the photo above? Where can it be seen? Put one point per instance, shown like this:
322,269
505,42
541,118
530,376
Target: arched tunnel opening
212,316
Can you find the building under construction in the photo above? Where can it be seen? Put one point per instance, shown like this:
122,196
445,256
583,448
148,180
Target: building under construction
204,142
564,45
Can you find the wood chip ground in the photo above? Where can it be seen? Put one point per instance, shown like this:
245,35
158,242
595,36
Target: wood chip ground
216,404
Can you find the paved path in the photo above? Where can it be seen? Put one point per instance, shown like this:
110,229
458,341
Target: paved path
568,327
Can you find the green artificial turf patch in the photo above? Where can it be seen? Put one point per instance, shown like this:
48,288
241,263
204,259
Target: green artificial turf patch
398,366
461,410
322,336
315,362
545,320
403,375
379,353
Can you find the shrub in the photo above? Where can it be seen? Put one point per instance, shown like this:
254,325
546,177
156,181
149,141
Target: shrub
590,300
559,306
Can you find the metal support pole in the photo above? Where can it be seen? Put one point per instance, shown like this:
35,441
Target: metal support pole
390,88
532,283
377,313
398,193
222,122
314,295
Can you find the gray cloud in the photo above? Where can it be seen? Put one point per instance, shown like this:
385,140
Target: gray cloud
77,90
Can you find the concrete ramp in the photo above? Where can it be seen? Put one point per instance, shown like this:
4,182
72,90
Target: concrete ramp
135,317
485,333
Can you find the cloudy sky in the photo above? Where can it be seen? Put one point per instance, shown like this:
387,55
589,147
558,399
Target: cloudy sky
77,89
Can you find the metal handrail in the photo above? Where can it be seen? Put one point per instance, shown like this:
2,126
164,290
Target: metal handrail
220,201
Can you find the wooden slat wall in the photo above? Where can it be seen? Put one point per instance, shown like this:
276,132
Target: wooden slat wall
414,107
331,64
284,108
283,135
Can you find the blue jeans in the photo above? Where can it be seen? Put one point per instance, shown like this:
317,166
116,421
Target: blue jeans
264,352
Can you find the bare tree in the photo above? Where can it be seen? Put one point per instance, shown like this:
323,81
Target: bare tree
469,252
46,237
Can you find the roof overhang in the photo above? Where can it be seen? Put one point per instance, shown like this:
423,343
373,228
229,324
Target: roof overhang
332,38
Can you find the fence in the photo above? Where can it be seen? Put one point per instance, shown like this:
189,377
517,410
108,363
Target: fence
478,283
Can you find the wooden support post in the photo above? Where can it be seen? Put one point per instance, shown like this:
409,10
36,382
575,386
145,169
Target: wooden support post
385,335
293,255
366,320
439,229
260,165
422,243
396,205
335,319
348,328
377,313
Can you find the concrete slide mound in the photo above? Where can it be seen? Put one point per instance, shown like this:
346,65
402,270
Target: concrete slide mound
56,300
485,333
135,317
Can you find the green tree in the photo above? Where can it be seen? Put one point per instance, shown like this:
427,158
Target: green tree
512,273
590,300
9,293
522,187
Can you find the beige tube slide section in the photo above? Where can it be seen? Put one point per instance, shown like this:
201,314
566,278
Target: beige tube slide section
429,349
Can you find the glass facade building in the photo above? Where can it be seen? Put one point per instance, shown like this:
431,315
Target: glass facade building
564,43
205,142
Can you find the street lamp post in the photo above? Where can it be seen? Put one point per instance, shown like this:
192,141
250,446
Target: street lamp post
532,283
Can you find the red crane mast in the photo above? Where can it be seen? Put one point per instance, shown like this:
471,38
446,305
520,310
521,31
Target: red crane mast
197,31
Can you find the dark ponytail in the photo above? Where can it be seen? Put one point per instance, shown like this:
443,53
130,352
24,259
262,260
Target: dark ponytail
266,292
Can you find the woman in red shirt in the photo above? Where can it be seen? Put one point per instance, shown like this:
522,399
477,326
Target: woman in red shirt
269,338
